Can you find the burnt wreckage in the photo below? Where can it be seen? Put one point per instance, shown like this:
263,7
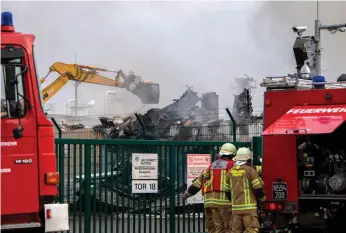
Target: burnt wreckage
181,120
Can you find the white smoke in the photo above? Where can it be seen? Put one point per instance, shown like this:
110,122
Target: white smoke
203,44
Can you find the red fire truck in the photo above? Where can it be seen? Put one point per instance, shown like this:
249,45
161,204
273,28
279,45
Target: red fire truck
304,165
304,144
28,162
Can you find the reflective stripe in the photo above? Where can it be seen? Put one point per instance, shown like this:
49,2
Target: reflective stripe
205,174
196,183
244,207
223,176
227,186
246,191
256,183
216,201
211,180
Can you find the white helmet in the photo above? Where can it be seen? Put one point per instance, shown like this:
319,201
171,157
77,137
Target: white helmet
243,154
227,149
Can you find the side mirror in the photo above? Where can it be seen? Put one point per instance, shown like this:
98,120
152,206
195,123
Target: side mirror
10,87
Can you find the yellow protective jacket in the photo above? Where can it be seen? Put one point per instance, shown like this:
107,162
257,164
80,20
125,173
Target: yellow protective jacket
245,187
211,199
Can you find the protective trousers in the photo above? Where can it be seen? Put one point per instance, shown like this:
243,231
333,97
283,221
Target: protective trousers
250,222
209,220
222,219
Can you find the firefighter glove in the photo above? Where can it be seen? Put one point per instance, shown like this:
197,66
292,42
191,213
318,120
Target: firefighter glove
185,196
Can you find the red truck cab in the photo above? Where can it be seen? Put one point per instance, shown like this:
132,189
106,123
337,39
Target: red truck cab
29,176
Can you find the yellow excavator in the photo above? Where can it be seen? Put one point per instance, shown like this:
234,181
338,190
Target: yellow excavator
148,92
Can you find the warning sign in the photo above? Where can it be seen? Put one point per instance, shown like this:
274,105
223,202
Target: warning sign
196,163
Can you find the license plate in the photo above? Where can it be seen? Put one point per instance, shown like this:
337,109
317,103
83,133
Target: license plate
279,191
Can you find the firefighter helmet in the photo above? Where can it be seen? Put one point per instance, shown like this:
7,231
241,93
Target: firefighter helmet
243,154
227,149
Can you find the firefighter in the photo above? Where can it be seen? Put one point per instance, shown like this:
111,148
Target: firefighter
244,188
216,204
198,184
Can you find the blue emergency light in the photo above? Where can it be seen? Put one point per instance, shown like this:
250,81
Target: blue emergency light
318,82
6,22
6,19
318,79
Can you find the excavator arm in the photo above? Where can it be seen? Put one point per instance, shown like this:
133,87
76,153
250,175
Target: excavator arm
148,92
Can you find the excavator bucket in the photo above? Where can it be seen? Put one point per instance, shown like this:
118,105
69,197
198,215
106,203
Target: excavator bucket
149,93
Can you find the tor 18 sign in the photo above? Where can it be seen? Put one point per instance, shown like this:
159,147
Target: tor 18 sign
144,186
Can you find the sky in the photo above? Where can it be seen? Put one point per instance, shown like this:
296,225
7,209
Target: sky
200,44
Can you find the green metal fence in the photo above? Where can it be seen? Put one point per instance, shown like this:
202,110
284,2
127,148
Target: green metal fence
96,181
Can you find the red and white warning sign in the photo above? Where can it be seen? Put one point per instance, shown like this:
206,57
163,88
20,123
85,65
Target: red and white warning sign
196,163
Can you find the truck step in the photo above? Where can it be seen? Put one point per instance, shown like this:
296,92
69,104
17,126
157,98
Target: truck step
20,225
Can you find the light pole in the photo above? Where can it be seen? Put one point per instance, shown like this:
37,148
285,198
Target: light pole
76,83
332,28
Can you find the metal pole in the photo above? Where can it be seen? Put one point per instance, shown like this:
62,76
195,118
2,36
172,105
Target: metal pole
75,93
318,28
318,46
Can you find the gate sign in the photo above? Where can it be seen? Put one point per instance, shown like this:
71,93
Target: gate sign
196,163
144,173
144,166
144,186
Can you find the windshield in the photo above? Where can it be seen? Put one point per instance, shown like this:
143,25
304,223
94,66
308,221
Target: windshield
8,108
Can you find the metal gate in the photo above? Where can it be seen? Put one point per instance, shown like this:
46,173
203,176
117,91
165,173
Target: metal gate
96,182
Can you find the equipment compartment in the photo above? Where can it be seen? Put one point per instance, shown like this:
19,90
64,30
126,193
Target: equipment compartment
322,165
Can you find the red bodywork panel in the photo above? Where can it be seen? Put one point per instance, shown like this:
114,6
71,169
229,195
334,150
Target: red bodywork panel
297,109
315,119
22,185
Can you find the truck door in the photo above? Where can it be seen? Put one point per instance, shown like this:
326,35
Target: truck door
19,160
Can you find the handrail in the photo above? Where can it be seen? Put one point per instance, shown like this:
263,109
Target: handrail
291,82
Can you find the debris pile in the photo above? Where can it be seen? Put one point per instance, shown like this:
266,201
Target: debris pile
75,126
181,120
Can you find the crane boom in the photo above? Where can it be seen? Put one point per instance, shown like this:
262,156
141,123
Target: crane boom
148,92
